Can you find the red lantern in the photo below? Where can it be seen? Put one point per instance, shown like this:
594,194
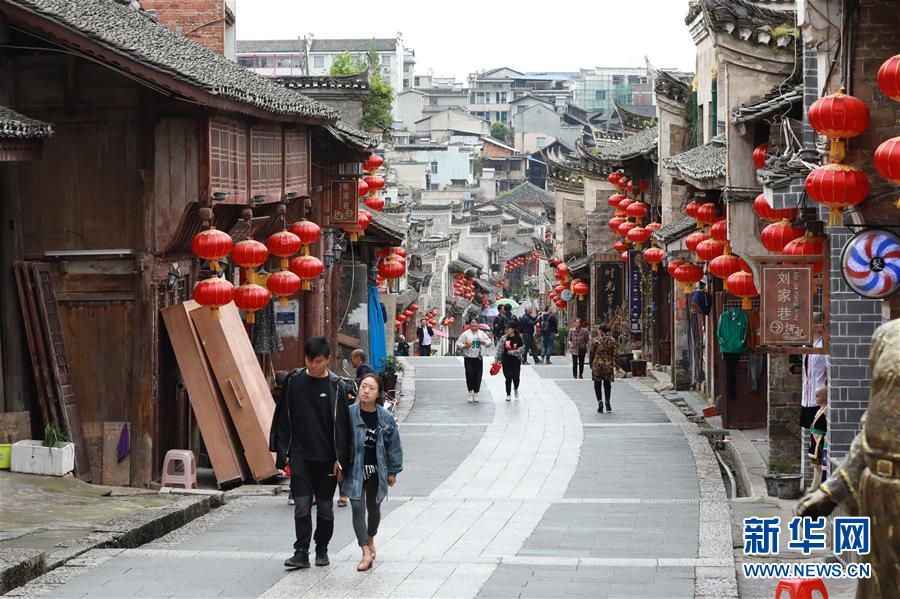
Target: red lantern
654,226
760,153
887,160
283,244
559,288
625,227
691,209
693,240
719,230
391,268
249,253
307,231
613,177
766,212
307,268
581,289
706,213
212,245
889,78
654,256
839,116
407,314
638,236
213,293
398,324
413,308
688,273
837,186
562,271
643,185
374,183
630,187
401,251
624,204
637,210
373,163
620,246
614,223
808,245
560,304
362,188
363,218
614,199
376,203
777,235
674,264
740,284
624,256
709,249
283,284
251,297
725,265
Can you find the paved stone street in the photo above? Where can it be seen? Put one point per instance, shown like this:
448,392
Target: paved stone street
540,497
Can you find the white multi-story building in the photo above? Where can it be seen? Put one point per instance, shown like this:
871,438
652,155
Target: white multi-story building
311,56
492,92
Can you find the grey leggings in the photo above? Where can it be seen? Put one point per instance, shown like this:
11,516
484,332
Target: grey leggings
366,503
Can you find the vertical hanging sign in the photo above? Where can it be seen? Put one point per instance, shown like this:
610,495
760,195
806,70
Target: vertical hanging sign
786,305
342,201
635,300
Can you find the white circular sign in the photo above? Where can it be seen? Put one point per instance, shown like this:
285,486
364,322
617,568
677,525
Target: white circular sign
566,295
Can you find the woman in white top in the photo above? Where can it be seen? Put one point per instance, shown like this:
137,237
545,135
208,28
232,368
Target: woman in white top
473,342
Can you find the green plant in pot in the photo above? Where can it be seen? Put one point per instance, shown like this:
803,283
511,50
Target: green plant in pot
390,367
53,437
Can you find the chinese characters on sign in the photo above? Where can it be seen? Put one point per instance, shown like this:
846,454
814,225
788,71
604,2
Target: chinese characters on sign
609,275
341,202
786,305
849,534
635,303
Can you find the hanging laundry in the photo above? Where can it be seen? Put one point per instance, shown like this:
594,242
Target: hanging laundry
732,331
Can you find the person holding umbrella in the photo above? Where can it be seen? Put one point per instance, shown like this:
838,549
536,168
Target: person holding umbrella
473,342
510,351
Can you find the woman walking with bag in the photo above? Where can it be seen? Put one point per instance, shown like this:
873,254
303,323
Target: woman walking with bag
510,353
603,366
473,342
579,340
377,459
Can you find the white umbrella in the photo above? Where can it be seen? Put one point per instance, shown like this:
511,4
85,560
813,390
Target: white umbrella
488,312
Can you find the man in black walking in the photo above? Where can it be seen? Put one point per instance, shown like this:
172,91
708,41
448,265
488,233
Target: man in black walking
526,327
311,430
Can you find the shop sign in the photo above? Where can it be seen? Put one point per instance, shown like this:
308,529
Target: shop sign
610,277
286,319
635,303
786,305
342,201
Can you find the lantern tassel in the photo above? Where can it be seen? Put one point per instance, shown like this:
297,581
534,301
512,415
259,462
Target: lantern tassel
746,304
838,150
282,301
214,265
251,317
835,217
215,313
898,203
654,266
306,286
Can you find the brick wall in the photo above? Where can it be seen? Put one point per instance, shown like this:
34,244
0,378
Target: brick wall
784,390
200,20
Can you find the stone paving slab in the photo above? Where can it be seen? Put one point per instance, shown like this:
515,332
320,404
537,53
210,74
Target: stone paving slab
588,581
626,407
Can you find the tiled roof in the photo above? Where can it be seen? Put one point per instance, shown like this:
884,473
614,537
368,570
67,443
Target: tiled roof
358,81
703,163
258,46
665,84
134,35
778,101
18,126
356,137
390,223
781,170
751,23
471,261
513,248
348,45
677,229
529,193
632,146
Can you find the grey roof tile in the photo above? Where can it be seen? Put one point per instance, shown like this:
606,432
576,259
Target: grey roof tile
703,163
18,126
780,99
349,45
676,229
133,34
260,46
631,146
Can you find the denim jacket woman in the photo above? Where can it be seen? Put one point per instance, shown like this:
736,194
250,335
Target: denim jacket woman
388,452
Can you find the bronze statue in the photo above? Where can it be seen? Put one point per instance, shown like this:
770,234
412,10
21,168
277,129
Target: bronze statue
868,481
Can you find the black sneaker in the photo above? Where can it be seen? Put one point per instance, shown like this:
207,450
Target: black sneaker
298,560
321,557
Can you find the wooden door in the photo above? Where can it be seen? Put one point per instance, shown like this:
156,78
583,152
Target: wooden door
747,409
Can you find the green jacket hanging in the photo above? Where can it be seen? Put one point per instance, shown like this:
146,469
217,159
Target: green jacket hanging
732,331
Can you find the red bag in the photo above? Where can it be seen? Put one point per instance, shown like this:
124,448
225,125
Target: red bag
495,368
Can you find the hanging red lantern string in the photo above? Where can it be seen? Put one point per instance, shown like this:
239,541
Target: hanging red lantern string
837,186
213,293
283,244
625,227
760,153
674,264
249,254
654,256
637,211
624,204
740,284
307,268
308,232
706,213
693,240
614,200
839,117
709,249
688,273
374,202
373,163
638,236
777,235
887,161
889,77
250,298
212,245
691,209
764,210
725,265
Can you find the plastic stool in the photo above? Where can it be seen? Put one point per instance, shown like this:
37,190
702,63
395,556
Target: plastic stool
188,475
800,588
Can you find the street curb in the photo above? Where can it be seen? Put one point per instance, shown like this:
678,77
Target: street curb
718,582
406,382
20,566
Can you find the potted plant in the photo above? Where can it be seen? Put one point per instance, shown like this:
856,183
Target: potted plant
54,456
390,366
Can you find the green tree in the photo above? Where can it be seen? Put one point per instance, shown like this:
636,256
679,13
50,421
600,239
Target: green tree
344,64
500,131
377,117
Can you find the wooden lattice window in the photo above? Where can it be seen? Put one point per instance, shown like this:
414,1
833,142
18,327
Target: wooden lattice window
296,161
266,167
228,158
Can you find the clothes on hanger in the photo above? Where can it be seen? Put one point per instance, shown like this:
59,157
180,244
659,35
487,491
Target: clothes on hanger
732,331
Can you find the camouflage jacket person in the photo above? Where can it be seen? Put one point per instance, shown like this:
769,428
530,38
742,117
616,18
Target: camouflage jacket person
603,357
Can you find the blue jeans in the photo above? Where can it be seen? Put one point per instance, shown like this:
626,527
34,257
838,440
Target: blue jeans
547,346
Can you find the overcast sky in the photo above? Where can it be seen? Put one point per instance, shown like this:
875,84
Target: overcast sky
456,38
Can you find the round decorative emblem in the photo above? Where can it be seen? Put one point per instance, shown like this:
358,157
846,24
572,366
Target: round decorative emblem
870,263
566,295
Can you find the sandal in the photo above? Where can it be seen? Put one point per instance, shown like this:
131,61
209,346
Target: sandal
342,502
